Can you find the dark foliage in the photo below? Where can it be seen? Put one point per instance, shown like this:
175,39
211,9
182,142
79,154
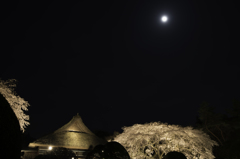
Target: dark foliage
48,156
116,150
11,137
97,152
57,153
62,153
26,139
175,155
112,150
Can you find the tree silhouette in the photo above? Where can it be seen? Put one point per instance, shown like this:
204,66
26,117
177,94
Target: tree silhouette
234,113
10,133
222,128
214,124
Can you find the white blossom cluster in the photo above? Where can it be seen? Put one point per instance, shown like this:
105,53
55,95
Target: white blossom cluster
141,140
18,104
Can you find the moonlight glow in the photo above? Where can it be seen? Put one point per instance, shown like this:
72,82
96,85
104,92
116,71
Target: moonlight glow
164,18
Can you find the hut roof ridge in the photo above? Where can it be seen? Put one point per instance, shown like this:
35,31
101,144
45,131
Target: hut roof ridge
76,125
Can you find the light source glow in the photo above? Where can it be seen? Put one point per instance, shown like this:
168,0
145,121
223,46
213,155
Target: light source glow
50,147
164,18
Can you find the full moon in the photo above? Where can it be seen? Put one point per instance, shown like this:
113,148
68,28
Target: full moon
164,18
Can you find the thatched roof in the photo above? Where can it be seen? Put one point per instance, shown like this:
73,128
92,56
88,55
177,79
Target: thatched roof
74,134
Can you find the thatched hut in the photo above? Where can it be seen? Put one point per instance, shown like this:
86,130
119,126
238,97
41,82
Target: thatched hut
74,135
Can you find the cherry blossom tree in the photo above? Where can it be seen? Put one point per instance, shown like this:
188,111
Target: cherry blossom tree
156,139
18,104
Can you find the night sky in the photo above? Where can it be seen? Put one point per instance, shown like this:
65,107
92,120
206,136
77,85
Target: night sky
116,64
